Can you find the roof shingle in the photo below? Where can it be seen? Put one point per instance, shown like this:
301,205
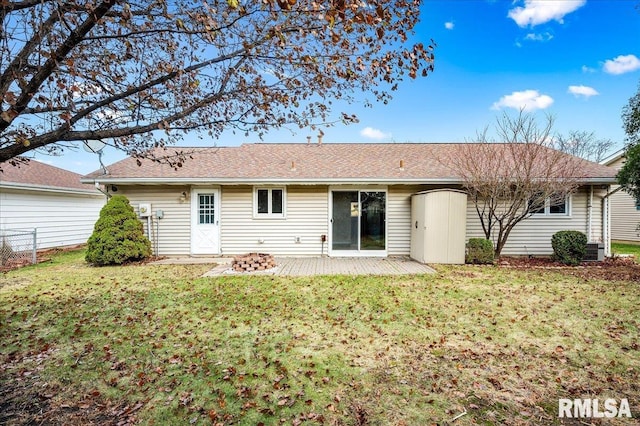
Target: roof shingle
37,174
300,162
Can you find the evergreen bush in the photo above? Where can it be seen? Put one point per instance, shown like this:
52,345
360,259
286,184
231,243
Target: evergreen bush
118,235
479,251
569,247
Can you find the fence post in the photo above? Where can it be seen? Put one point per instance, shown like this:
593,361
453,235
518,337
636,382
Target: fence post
35,240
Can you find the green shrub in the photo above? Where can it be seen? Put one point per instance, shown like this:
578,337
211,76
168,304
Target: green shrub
118,235
479,250
569,247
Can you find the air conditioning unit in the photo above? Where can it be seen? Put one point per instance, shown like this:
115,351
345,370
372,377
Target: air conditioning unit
595,252
144,209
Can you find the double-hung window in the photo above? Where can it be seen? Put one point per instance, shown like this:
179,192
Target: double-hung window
269,203
555,207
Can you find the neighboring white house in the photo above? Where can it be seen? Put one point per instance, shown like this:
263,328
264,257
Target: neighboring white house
50,199
625,211
332,198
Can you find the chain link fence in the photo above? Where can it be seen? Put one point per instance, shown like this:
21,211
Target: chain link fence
17,247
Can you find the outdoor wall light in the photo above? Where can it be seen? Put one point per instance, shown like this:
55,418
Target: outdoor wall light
183,196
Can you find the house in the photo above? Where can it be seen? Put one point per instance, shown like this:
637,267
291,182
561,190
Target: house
321,198
49,199
625,211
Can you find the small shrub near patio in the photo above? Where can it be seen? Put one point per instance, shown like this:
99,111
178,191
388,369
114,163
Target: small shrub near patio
479,251
118,235
569,247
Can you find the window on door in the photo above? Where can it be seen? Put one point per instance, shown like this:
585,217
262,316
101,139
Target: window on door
269,203
206,209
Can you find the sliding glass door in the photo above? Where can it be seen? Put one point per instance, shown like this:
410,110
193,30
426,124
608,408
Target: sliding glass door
373,220
345,219
358,223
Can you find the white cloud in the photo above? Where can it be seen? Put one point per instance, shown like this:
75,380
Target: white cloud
537,12
588,70
585,91
539,37
85,89
622,64
371,133
449,25
527,100
111,115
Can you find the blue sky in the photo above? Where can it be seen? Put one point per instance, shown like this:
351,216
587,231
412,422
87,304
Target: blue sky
576,60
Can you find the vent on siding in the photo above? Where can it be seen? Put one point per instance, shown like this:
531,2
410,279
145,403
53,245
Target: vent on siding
595,252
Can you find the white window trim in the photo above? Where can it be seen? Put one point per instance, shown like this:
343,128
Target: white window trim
547,208
269,215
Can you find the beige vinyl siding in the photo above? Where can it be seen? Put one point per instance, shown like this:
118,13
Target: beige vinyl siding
173,230
624,215
399,219
596,221
61,219
532,236
306,217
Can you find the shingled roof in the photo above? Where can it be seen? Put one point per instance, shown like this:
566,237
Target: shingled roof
37,175
312,163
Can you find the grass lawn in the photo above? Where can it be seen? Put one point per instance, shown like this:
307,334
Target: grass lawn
622,248
145,344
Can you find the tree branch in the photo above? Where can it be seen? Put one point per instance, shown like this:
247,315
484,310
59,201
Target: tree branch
20,60
7,117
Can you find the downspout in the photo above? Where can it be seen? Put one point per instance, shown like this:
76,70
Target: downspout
606,220
150,229
605,225
590,214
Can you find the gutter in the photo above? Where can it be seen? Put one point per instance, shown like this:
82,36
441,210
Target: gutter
55,189
311,181
262,181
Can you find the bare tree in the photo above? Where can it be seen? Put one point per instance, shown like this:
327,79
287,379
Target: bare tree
510,180
140,74
584,144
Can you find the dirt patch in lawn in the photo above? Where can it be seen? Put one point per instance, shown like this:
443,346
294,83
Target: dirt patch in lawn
611,269
26,400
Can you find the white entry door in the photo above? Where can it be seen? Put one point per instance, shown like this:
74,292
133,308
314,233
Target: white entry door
205,221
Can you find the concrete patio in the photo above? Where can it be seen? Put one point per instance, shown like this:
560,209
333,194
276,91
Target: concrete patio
305,266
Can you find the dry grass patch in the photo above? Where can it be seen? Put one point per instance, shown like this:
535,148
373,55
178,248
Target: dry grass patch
158,344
